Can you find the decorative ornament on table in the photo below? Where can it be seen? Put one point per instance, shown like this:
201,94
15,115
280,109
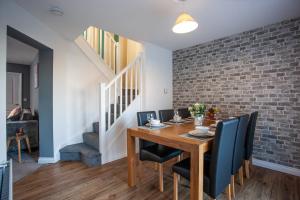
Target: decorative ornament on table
211,113
197,111
177,117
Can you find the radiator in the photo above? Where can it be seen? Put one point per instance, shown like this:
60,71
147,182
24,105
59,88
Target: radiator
6,184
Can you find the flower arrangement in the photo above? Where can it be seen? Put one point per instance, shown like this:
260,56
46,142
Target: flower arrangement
197,109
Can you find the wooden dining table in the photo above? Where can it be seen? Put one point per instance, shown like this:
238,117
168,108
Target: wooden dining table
171,136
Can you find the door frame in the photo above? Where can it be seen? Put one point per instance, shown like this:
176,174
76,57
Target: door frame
45,73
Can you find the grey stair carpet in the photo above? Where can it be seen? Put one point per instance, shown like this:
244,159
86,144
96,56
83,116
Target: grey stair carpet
96,127
88,151
81,152
91,139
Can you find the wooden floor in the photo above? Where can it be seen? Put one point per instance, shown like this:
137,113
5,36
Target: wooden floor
73,180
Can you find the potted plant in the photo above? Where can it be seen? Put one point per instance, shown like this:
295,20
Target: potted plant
197,111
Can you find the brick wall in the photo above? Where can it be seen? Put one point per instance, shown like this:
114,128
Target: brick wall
253,70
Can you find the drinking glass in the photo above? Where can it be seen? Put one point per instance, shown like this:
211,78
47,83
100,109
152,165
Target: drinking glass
149,117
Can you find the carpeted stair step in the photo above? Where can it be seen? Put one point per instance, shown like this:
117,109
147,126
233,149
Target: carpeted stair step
91,139
76,152
128,99
96,127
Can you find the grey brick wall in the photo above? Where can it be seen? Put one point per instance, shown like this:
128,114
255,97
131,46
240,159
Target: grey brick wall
253,70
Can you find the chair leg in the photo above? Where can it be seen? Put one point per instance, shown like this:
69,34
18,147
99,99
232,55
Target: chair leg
28,144
161,177
241,176
8,142
247,170
232,186
228,192
19,150
179,157
175,186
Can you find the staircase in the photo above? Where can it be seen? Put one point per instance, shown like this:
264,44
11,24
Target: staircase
88,151
116,98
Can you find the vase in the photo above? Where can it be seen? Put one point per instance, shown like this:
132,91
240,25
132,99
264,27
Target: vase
198,120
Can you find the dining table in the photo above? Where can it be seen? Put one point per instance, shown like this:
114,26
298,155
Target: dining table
174,136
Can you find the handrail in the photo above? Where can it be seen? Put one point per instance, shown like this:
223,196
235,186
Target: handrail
123,71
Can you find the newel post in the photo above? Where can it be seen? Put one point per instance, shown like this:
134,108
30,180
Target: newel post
102,120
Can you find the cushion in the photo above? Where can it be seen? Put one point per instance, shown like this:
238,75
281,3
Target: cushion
15,114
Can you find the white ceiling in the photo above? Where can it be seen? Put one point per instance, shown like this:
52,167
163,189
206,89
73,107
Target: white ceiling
20,53
152,20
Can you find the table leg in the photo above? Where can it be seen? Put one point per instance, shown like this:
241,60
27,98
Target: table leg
131,159
196,180
19,150
27,143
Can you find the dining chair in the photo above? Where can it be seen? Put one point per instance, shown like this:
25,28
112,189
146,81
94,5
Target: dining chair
238,152
166,115
184,112
154,152
217,170
249,142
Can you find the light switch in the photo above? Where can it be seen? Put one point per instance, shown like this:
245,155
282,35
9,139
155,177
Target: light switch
166,91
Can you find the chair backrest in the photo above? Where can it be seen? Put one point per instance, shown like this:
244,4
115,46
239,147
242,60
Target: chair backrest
239,144
250,135
142,120
166,115
142,117
222,154
184,112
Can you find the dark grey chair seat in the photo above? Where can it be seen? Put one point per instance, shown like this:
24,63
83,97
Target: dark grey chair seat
158,153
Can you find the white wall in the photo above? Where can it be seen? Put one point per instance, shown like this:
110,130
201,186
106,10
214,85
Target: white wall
75,79
157,78
34,92
2,86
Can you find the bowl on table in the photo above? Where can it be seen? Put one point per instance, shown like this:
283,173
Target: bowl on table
202,129
155,122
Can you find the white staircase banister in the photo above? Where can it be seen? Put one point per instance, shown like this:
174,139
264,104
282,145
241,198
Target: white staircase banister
102,121
123,71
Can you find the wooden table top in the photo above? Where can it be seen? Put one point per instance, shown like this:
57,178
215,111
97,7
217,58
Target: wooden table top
170,136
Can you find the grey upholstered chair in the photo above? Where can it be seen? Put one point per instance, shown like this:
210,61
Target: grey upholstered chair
217,170
249,142
155,152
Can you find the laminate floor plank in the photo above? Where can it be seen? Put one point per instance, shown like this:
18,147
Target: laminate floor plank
75,181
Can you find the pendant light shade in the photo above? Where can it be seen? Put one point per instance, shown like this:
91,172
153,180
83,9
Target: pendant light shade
184,24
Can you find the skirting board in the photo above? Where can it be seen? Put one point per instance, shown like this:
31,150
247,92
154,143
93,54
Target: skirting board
276,167
47,160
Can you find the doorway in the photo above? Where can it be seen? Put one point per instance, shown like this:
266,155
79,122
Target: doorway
30,91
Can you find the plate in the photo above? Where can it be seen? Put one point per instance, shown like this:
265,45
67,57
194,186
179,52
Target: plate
179,121
155,125
200,133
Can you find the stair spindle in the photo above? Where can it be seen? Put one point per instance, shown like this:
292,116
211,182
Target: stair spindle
115,103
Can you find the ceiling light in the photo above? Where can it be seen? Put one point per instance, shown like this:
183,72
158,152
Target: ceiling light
55,10
184,24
